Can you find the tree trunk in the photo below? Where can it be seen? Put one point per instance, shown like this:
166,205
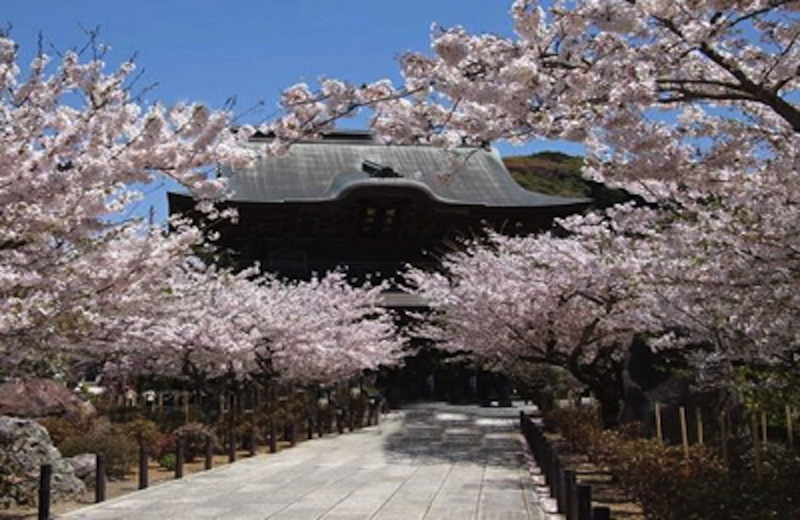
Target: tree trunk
609,396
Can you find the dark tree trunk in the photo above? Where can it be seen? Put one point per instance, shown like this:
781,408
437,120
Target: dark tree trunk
609,396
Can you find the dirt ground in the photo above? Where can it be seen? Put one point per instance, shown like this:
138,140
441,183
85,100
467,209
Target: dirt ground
156,475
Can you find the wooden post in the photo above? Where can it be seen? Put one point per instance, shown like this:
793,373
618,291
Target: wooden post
180,458
186,406
252,442
310,428
659,431
723,433
583,509
569,493
292,434
684,432
100,479
232,446
789,428
273,437
756,448
555,484
209,453
698,415
160,402
561,492
764,427
143,467
45,476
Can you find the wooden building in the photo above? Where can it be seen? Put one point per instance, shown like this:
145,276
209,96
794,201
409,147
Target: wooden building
348,200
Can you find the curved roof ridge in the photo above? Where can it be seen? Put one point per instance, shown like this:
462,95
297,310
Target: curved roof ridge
318,171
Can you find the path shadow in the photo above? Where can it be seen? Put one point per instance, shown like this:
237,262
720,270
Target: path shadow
433,433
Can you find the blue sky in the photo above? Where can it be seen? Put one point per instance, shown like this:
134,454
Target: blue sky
211,50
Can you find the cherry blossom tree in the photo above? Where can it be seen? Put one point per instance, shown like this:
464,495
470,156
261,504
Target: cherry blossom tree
213,324
690,104
539,300
81,281
78,149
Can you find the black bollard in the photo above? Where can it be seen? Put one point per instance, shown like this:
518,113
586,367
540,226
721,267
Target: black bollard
310,428
601,513
273,437
340,421
180,458
561,491
232,447
209,453
143,467
252,443
583,508
100,479
569,494
45,475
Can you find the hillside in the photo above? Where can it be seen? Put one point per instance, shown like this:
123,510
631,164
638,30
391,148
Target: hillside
556,173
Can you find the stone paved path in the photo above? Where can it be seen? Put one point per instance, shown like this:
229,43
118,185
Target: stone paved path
433,462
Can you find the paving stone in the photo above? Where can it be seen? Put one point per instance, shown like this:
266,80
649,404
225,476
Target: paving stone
432,462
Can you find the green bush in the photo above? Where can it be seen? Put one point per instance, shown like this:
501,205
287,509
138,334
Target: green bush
144,431
168,461
120,450
669,485
579,427
62,428
165,445
194,436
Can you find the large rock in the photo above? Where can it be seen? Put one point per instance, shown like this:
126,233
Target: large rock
24,446
84,466
38,398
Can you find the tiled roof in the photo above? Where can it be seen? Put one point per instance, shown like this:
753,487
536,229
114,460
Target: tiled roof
328,169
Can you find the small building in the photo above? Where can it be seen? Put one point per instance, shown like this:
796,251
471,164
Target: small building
349,200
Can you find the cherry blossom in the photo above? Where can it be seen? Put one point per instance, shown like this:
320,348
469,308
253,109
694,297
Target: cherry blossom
217,323
78,149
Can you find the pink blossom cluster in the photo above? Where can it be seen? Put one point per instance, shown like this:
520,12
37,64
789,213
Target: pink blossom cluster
217,323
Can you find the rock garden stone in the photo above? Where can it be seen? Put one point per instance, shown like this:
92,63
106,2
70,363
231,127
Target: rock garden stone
24,446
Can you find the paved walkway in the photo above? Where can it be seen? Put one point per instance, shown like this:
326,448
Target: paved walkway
433,461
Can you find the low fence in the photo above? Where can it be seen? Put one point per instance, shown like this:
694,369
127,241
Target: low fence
341,423
573,499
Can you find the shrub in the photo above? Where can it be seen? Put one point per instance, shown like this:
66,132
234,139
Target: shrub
578,426
120,450
165,445
670,486
168,461
194,436
62,428
144,432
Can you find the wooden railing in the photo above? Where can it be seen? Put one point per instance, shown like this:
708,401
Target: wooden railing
573,499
